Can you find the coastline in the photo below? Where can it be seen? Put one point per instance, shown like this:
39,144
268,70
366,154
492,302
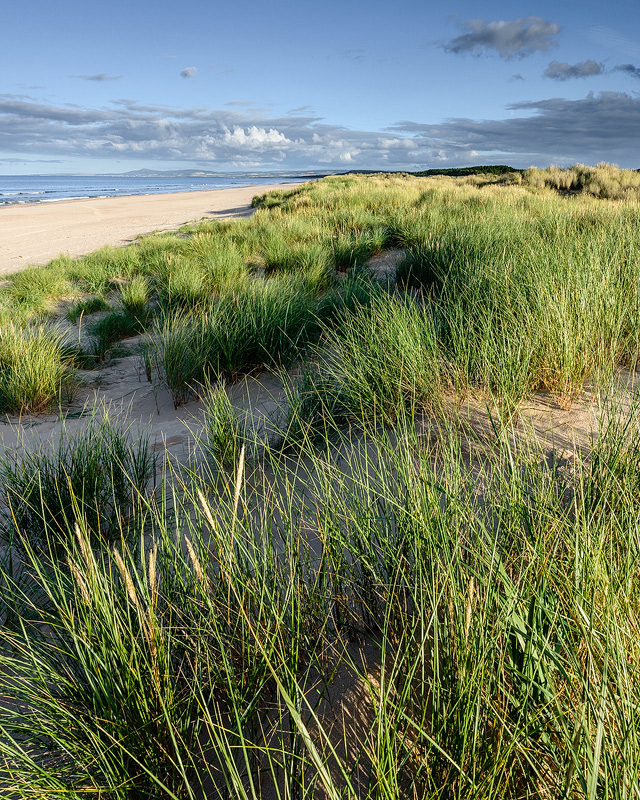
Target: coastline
34,234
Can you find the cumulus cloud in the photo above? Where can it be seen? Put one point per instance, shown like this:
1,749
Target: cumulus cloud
189,72
561,71
629,69
596,128
100,77
254,137
516,38
229,138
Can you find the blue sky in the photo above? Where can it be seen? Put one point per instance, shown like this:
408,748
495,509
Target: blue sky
95,87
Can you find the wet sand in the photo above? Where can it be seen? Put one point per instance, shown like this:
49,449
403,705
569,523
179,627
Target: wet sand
34,234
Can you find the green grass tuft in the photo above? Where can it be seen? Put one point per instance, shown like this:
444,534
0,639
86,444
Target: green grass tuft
111,329
91,305
35,369
94,477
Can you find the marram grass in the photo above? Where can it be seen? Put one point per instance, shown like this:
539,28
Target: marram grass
499,631
36,369
531,289
362,600
96,476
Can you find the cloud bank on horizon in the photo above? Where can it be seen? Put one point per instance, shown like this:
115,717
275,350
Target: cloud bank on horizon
598,127
597,119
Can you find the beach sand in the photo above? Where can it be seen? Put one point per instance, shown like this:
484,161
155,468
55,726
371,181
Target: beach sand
34,234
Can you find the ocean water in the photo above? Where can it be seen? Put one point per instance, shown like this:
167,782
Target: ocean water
23,189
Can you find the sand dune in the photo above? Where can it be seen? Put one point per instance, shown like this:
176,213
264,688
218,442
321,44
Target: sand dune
34,234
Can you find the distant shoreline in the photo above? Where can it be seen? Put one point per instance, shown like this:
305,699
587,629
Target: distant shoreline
37,203
45,189
35,233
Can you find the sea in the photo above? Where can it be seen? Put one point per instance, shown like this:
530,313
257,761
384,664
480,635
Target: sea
31,189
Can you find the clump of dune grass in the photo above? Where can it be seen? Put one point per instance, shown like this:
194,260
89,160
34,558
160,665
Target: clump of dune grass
33,288
309,261
384,357
178,354
222,262
94,477
108,331
604,180
261,325
152,251
35,369
498,628
298,257
106,264
135,296
223,434
180,282
90,305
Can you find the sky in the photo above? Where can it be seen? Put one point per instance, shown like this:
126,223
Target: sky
96,87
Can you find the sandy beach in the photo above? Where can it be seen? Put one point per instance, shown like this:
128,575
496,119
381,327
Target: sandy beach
34,234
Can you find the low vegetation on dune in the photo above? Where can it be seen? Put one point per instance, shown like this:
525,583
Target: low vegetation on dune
603,180
360,594
35,369
98,475
527,291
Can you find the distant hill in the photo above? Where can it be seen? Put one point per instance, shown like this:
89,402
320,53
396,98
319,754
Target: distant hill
460,172
199,173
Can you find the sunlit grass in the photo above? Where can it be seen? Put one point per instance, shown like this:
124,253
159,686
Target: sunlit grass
94,476
358,597
36,369
495,626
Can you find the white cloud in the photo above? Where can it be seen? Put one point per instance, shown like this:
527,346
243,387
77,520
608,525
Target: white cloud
254,137
189,72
